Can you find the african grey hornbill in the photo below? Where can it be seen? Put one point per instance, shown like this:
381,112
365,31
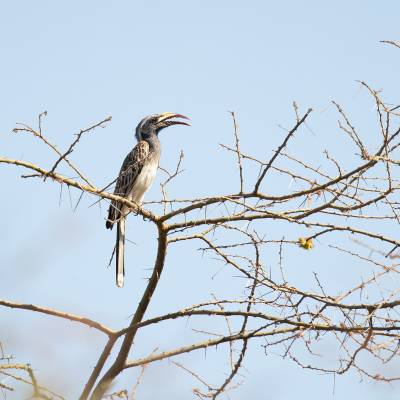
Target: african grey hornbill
136,176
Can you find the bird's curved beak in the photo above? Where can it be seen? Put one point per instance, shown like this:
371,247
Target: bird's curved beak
168,119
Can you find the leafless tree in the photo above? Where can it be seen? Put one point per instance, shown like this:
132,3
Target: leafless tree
348,207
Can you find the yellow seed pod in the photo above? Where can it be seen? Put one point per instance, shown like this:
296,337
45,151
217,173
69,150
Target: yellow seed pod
306,244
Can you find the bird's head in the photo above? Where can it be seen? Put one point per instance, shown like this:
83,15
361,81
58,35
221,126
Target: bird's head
153,124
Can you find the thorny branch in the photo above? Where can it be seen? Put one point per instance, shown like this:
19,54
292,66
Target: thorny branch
239,155
326,204
75,142
11,372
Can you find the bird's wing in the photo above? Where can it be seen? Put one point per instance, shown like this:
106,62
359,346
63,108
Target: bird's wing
130,170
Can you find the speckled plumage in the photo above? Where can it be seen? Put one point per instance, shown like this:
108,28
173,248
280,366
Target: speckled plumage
135,177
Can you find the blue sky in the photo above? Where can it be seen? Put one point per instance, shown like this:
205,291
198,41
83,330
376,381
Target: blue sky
84,61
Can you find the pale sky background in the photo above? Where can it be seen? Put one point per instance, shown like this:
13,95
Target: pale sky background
85,60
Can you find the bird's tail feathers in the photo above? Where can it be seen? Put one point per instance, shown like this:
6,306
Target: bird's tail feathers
120,252
113,215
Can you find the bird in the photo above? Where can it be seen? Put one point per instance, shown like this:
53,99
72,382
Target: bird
136,175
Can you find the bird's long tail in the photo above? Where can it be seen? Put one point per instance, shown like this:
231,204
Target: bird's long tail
120,252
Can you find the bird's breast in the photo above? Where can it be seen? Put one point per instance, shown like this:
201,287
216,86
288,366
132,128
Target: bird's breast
144,181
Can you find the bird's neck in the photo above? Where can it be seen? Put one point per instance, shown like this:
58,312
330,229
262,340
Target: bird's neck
154,142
